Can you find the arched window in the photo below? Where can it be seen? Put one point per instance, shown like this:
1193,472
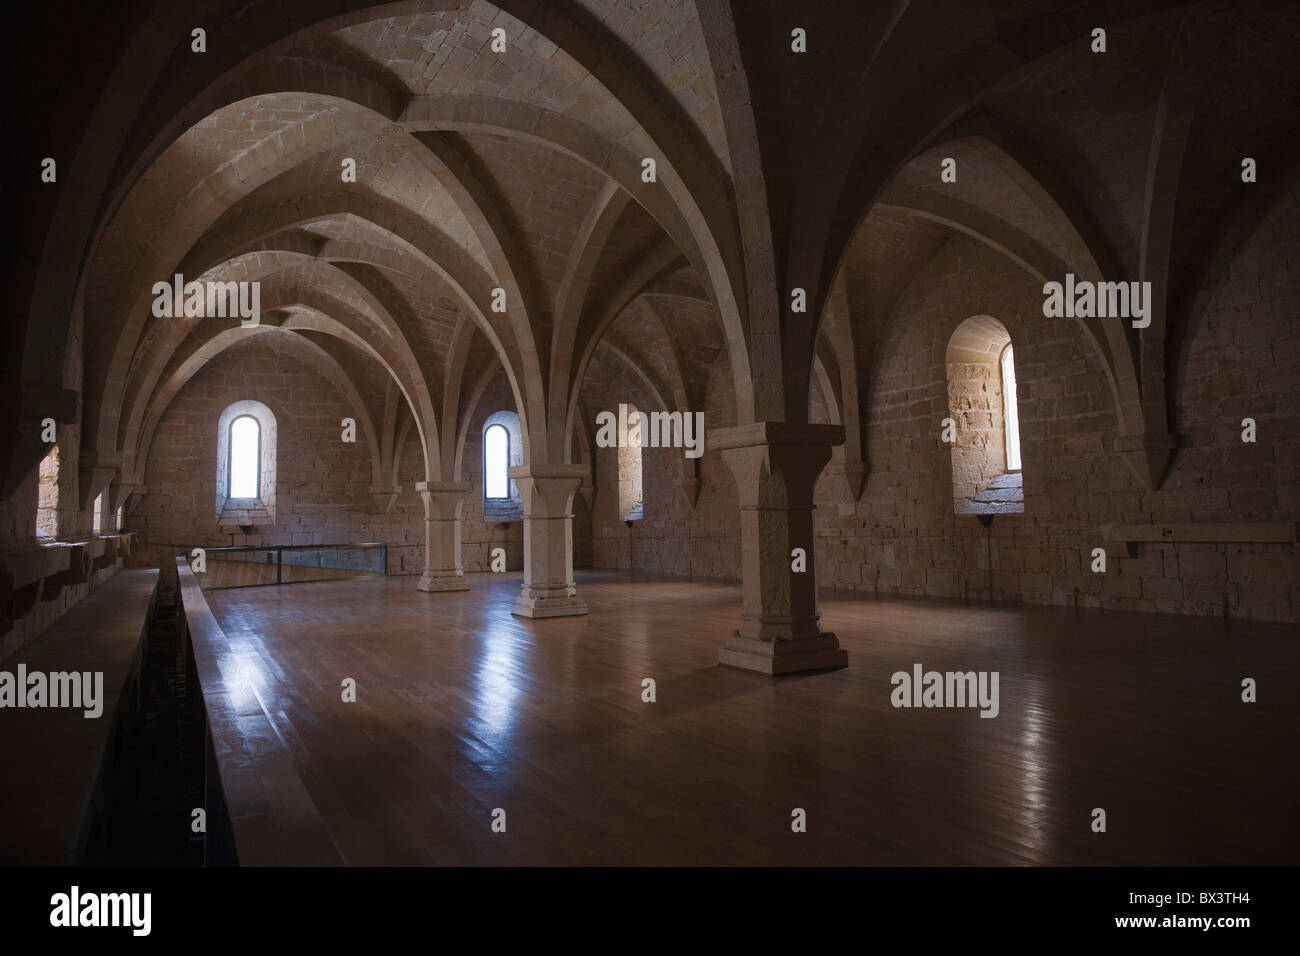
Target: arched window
982,403
245,441
496,462
47,503
503,448
97,513
246,464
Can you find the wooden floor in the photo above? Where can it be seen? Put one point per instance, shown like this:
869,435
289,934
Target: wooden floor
462,709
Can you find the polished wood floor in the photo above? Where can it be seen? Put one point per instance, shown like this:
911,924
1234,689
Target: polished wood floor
462,709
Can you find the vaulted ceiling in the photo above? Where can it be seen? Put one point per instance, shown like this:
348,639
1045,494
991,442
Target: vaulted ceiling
479,169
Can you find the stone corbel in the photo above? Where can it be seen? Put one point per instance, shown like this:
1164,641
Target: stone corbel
21,445
93,481
690,481
855,475
1148,456
384,498
121,490
691,491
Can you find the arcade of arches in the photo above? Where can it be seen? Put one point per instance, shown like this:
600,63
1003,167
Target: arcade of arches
522,171
443,231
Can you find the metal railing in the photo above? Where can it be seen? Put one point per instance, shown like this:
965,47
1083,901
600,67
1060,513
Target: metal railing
259,566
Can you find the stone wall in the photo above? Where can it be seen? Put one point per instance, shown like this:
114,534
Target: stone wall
975,404
322,482
43,576
904,537
479,536
672,537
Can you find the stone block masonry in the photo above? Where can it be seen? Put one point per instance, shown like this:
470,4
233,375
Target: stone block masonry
903,535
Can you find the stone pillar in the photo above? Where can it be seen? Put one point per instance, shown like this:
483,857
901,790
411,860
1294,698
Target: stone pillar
776,465
547,492
443,503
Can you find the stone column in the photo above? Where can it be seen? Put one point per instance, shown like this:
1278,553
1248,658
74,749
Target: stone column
776,465
444,502
547,492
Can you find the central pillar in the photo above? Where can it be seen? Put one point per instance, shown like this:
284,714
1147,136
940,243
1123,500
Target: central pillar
776,465
444,502
547,492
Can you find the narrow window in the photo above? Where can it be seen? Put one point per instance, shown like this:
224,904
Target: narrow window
245,441
97,513
982,424
631,498
496,462
1010,414
47,506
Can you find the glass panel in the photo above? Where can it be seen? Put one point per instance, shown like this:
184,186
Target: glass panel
496,457
241,567
245,434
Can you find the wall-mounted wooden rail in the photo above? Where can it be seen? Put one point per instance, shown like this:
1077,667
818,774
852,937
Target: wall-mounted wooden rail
1125,539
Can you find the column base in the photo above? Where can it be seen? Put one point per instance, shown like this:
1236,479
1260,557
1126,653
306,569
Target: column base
537,602
435,581
783,657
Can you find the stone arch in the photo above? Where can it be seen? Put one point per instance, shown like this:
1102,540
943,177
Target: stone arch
302,349
509,334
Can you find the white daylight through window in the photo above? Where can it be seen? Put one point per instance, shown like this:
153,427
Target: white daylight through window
496,461
245,437
1011,415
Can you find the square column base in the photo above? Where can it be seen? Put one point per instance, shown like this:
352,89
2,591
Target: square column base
433,581
535,602
783,657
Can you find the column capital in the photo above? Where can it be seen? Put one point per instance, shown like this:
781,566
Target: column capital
565,470
776,464
776,433
547,490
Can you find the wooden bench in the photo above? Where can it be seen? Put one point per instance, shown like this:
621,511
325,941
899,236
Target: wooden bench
56,759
